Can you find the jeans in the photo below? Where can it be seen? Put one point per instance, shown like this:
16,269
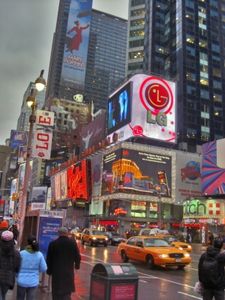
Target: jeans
209,294
26,293
3,291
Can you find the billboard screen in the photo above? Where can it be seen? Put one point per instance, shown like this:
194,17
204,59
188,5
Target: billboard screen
213,168
152,107
78,181
76,44
119,109
188,178
126,170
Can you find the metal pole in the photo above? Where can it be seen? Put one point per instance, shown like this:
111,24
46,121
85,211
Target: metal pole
23,200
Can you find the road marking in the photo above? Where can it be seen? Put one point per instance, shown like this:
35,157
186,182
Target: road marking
192,296
143,281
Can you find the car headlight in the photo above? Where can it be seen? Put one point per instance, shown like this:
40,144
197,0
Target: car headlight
163,255
189,247
186,255
180,248
94,238
106,239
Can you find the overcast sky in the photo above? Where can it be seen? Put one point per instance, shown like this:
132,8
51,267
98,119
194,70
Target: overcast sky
26,31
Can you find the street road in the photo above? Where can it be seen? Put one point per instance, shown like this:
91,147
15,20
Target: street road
157,284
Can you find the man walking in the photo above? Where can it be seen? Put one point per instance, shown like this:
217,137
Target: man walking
63,256
211,272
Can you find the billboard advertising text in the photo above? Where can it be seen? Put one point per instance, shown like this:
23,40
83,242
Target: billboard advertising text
138,172
76,44
144,107
213,168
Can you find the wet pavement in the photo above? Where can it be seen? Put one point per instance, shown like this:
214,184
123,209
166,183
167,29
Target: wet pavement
157,284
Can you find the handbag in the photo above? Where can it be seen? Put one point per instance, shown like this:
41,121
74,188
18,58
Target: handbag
198,288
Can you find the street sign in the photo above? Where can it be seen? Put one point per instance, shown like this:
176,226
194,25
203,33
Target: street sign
42,144
44,118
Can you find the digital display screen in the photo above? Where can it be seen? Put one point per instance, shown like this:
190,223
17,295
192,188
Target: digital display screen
119,109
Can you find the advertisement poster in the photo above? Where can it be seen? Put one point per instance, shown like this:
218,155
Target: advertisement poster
145,106
17,139
213,168
188,175
76,44
140,172
94,132
63,185
48,231
39,194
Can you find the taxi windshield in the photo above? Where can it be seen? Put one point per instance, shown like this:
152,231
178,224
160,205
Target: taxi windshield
97,232
170,239
155,243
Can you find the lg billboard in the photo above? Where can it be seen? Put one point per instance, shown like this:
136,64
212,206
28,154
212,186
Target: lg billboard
145,106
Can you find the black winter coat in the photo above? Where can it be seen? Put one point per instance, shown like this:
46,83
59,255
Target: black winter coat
63,256
9,264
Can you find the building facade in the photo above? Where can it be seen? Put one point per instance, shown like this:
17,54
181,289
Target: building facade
183,41
105,66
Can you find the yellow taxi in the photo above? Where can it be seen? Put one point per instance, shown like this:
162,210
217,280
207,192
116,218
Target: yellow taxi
153,251
94,237
173,241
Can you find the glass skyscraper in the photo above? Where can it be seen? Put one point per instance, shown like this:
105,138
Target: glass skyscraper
106,60
183,40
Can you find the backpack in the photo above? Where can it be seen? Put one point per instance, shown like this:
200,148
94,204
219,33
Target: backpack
210,271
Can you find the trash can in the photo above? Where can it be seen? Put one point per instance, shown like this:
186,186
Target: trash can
114,282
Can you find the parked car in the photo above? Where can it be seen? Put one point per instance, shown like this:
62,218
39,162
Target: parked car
114,238
94,237
153,251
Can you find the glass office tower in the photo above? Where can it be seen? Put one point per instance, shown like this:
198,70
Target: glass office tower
106,59
183,40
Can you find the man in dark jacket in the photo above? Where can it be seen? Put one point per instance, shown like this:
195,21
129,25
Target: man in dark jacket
211,272
63,256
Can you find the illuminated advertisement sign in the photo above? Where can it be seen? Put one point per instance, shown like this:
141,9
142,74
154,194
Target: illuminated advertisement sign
127,170
76,44
188,178
203,209
145,107
119,109
213,168
78,181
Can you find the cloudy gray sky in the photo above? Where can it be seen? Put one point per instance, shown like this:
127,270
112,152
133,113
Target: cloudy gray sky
26,30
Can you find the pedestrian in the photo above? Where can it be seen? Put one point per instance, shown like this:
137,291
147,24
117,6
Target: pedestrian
9,263
63,256
211,271
32,264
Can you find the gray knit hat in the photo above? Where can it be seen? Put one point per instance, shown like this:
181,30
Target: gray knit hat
63,230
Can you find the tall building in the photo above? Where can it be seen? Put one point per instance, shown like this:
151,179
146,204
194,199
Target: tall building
104,66
106,57
183,41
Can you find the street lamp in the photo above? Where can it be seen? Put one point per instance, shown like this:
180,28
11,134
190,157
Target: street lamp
40,84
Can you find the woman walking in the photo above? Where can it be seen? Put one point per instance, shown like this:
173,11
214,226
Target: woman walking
9,263
32,263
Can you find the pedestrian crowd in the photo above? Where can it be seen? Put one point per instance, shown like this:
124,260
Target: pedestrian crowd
23,268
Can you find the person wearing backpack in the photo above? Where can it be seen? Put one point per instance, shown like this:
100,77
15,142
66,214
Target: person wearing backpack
211,271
